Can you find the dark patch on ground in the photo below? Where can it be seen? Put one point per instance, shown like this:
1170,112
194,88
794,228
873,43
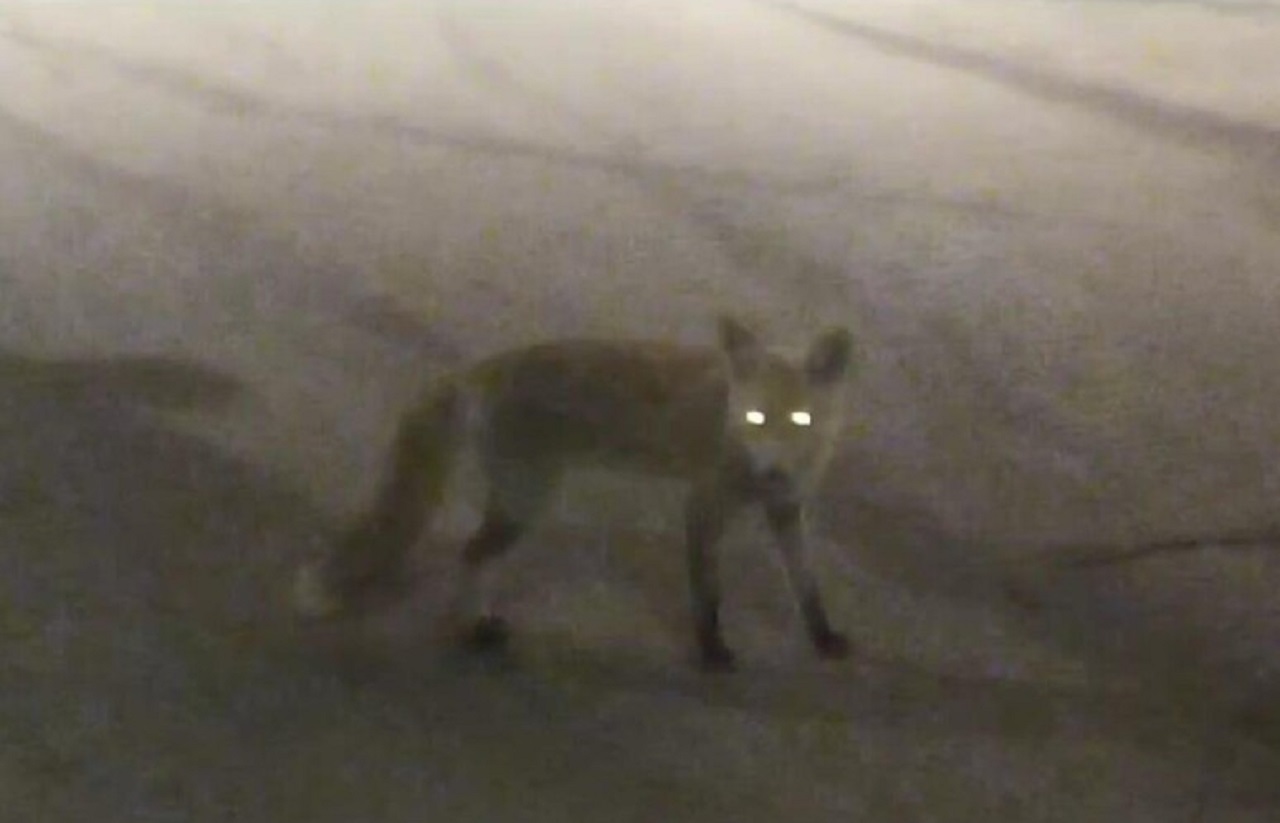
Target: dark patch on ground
139,573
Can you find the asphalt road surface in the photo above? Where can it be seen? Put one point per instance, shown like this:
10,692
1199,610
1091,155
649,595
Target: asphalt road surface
236,238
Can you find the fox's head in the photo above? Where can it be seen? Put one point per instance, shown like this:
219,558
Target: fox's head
785,412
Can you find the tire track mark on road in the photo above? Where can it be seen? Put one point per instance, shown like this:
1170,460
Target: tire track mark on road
1253,147
217,99
495,75
268,278
1160,118
228,100
703,200
160,268
1224,7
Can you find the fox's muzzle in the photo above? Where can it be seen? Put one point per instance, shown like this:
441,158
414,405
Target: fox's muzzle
774,482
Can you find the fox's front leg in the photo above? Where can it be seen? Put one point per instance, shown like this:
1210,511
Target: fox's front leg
786,519
706,514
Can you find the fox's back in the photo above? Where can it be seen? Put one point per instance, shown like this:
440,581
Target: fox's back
643,405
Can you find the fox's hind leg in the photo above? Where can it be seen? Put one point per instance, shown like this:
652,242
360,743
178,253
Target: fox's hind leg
517,496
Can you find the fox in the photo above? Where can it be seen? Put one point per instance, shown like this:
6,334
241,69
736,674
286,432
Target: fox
739,423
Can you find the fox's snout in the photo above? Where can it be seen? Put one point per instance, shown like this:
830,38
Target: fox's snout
775,479
772,475
775,475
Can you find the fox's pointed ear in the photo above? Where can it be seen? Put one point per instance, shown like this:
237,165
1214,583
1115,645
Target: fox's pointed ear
830,356
740,344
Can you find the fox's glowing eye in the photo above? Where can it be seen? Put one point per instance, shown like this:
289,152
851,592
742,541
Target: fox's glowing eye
801,418
755,417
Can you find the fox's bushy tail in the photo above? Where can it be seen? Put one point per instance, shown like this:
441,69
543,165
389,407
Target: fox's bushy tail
368,560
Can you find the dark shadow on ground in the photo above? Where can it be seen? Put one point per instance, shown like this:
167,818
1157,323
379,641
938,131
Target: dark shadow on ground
138,570
157,382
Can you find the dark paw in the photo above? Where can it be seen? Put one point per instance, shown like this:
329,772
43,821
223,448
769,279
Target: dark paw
831,645
717,658
488,634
